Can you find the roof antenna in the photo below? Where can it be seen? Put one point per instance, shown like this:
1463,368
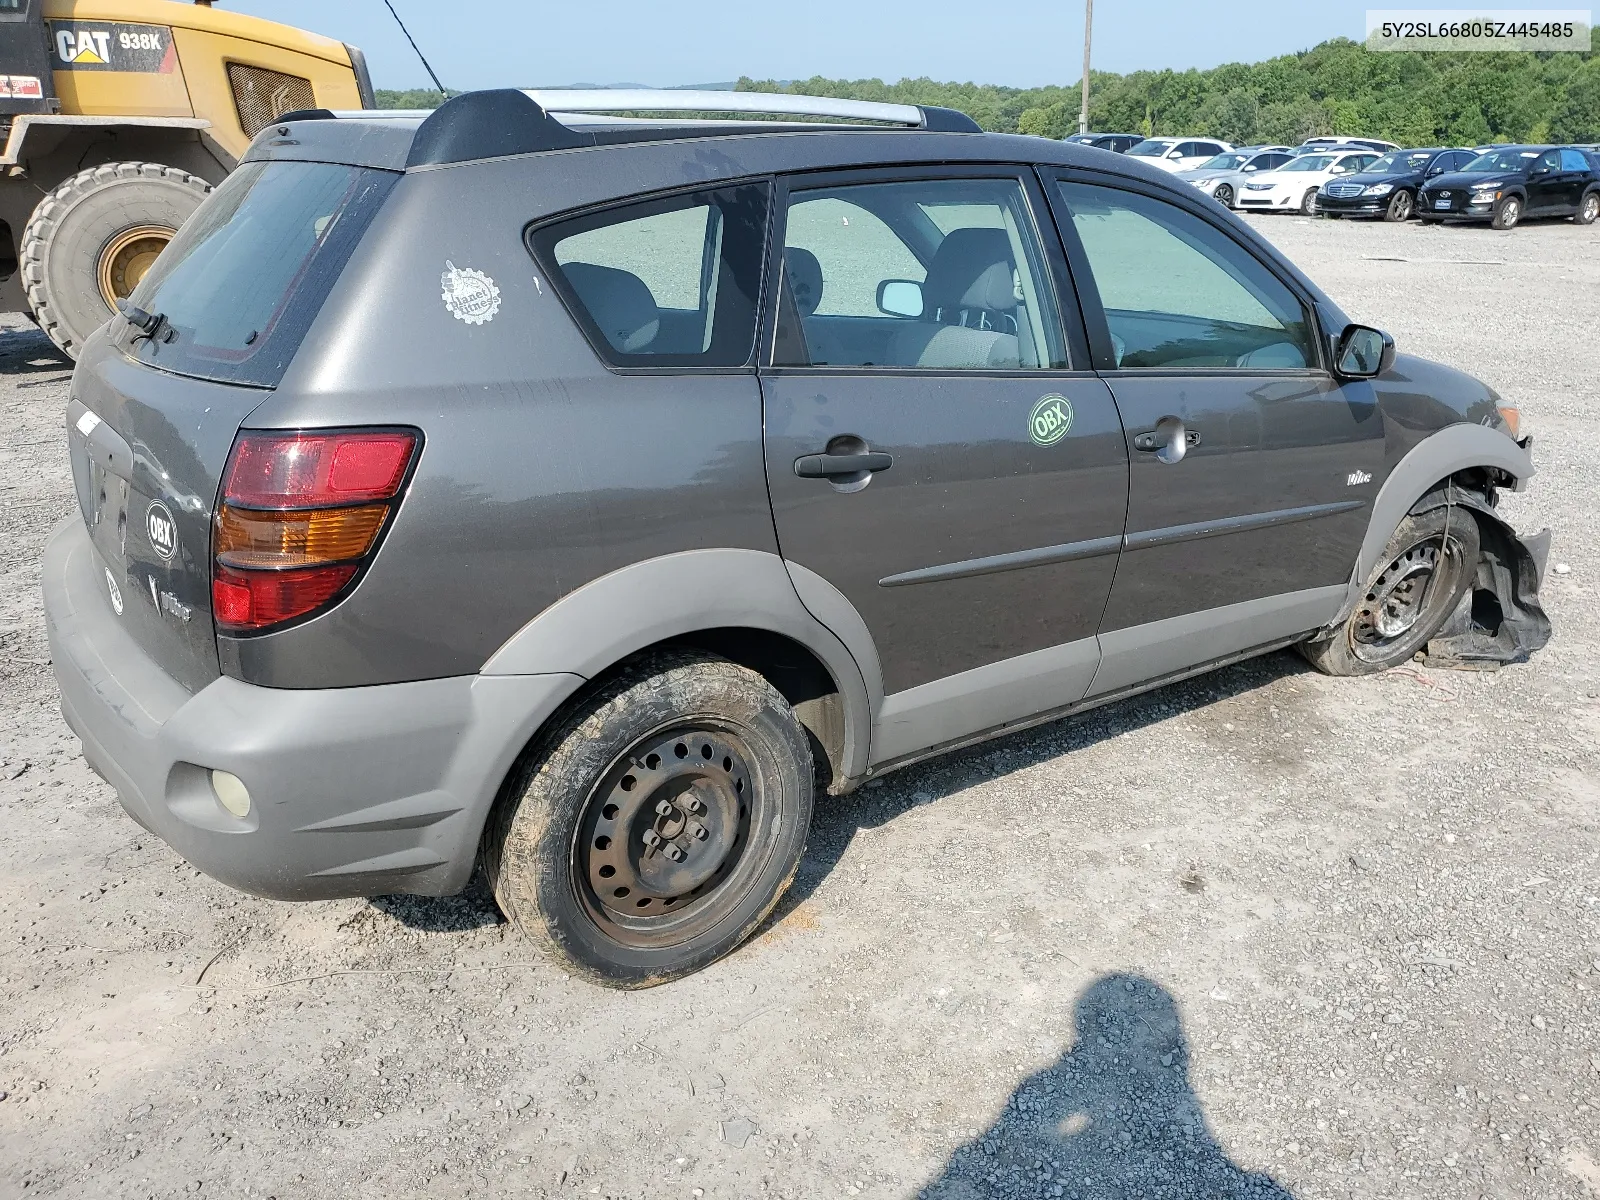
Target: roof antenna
418,49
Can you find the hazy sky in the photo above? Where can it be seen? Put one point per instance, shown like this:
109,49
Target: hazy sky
500,43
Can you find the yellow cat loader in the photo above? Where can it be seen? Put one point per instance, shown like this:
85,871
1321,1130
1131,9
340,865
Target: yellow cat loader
116,117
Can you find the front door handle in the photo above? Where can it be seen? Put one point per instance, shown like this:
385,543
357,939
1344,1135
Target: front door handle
826,466
1169,440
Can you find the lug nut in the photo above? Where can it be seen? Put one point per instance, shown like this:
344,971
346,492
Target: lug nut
664,807
694,804
700,832
652,838
674,853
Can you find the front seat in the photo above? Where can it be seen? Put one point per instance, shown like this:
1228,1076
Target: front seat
969,307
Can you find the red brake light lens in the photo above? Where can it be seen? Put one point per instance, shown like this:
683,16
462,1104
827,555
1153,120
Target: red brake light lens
307,470
300,515
251,600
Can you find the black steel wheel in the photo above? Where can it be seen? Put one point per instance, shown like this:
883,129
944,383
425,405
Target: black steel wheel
1425,569
1400,206
653,829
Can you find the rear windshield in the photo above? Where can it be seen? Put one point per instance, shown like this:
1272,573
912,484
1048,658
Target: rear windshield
240,284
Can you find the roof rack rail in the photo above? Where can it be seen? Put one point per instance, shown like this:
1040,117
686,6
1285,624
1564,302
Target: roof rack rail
579,100
501,122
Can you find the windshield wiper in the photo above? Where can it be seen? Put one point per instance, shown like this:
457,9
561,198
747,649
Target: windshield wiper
151,325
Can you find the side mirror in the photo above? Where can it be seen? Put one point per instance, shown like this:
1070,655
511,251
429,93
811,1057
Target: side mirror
1363,352
1174,154
900,298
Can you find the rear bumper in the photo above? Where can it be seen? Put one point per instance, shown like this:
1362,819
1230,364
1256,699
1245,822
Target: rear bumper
354,791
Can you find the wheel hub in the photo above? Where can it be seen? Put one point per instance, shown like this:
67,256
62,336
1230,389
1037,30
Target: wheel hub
127,257
666,824
1398,597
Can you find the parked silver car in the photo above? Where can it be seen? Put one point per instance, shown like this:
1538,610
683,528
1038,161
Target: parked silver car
1221,175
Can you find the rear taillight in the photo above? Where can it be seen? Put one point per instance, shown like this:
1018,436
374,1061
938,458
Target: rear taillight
300,516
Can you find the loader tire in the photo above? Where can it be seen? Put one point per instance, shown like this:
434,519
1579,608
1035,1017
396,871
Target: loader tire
92,239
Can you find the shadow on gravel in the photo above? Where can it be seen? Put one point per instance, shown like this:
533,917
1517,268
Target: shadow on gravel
1115,1118
836,821
471,909
28,351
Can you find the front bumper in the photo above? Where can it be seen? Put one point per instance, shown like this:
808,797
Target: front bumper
355,791
1267,201
1355,206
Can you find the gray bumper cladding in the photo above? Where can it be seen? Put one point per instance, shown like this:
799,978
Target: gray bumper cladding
354,791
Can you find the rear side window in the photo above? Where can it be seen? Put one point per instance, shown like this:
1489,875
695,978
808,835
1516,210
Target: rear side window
246,275
672,282
1573,160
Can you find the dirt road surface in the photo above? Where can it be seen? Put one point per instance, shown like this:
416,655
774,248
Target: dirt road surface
1264,933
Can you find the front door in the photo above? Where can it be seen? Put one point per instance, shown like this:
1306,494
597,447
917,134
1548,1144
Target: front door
933,450
1252,470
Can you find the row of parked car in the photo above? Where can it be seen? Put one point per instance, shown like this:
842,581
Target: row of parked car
1367,177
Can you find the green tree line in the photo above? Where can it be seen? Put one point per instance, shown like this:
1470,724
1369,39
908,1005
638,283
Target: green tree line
1340,86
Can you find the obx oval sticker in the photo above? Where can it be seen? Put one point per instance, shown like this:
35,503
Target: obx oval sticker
1050,420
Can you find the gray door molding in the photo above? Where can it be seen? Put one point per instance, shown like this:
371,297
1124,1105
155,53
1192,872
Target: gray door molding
1145,652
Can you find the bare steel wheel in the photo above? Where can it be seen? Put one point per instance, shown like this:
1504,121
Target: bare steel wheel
660,852
126,258
651,830
1422,574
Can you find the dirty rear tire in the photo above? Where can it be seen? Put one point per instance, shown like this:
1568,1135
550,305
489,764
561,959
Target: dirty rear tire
64,238
540,852
1350,650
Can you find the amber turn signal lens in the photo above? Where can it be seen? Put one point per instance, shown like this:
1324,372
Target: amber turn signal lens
1513,419
251,538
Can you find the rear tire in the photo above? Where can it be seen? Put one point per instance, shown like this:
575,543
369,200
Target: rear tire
1400,207
1588,209
1507,213
654,829
92,239
1425,569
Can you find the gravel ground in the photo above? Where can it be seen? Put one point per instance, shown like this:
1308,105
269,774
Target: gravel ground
1264,933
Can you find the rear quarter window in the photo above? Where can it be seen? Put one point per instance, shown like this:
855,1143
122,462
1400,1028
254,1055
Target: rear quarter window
245,277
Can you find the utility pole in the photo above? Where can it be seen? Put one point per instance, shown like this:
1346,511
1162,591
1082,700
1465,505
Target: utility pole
1088,29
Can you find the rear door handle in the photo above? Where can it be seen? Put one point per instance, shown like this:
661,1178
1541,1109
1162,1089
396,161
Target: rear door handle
826,466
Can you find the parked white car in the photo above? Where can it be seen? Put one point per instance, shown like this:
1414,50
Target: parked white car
1178,154
1293,186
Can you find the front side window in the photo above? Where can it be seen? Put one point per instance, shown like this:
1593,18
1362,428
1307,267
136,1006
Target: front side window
938,274
668,282
1178,292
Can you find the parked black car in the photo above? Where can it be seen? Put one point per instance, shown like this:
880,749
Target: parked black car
1388,188
1121,143
1511,183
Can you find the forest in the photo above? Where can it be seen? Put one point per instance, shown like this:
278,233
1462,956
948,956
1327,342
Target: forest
1413,98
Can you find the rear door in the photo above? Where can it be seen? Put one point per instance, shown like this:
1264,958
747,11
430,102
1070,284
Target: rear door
153,415
937,449
1251,468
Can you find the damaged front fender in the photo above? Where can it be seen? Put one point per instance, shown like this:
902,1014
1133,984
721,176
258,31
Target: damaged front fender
1499,620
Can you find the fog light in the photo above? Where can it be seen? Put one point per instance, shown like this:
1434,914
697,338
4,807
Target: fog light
231,793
